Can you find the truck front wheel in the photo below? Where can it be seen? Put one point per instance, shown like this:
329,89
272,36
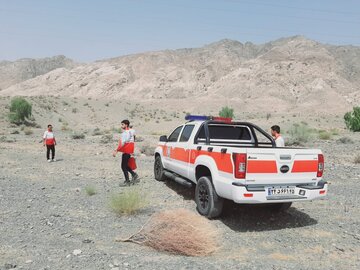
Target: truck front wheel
159,169
208,203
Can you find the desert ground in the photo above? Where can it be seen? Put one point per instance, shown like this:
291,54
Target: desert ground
47,220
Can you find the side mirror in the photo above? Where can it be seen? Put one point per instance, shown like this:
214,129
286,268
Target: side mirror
163,138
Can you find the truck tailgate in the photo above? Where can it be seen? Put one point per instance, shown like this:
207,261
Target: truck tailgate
281,166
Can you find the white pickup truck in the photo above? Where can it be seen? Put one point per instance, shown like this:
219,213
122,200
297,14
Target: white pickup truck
237,161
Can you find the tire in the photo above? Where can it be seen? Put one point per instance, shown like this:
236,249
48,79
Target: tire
159,172
208,203
280,207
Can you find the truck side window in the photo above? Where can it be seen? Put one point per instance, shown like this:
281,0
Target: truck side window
174,136
185,135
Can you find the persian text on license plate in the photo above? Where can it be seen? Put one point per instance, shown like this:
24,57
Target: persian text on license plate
280,191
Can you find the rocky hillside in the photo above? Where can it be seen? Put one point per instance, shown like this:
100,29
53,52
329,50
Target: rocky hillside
287,72
24,69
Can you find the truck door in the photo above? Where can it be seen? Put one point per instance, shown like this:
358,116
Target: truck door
180,155
169,148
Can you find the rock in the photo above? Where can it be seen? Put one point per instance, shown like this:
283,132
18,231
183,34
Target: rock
87,241
9,266
28,261
77,252
116,263
126,264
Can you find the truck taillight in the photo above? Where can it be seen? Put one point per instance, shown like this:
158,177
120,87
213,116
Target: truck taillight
320,169
239,165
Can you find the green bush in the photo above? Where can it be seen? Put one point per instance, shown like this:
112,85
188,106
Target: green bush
20,110
127,203
77,136
226,112
106,138
324,135
299,134
97,132
90,190
334,131
352,119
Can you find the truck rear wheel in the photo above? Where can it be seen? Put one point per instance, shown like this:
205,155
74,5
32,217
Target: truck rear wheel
208,203
159,169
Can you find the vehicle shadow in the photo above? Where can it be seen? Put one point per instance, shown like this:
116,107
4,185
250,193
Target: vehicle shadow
185,192
251,218
257,218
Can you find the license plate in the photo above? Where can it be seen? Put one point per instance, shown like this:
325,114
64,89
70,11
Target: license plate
280,191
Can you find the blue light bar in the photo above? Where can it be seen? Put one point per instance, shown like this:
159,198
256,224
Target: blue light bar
191,117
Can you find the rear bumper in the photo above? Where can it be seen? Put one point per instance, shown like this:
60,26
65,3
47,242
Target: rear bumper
255,195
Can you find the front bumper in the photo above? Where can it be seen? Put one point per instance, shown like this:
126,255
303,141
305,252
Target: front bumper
255,195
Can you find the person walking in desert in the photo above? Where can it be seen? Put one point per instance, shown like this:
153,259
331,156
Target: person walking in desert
126,146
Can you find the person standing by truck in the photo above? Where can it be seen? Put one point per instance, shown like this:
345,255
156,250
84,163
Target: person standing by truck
126,146
279,140
49,141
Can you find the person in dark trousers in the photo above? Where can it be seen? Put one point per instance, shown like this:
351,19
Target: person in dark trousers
126,146
49,141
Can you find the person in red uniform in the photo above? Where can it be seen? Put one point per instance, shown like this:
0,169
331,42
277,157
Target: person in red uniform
126,146
49,141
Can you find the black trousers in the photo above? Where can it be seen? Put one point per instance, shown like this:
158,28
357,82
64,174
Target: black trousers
125,167
48,149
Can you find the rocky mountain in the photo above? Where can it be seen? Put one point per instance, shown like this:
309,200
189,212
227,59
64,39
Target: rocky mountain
24,69
287,72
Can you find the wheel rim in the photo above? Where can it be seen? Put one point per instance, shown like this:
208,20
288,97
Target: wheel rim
203,196
158,168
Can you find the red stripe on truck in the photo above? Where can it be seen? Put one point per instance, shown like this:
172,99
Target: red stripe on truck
261,166
222,160
180,154
301,166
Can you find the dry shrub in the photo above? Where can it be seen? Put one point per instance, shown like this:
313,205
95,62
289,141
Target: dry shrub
357,159
147,149
178,231
28,131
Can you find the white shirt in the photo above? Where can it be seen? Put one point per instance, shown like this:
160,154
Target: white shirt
125,136
132,134
279,141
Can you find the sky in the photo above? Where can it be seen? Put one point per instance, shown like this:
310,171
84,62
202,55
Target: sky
89,30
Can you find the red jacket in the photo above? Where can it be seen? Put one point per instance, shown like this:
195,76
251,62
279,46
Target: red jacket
126,143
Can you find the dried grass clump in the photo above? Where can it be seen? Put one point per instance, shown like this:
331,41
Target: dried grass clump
179,232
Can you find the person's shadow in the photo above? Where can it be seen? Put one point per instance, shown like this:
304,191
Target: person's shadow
247,217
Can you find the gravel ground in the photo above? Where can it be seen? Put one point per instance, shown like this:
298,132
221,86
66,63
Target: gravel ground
47,221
